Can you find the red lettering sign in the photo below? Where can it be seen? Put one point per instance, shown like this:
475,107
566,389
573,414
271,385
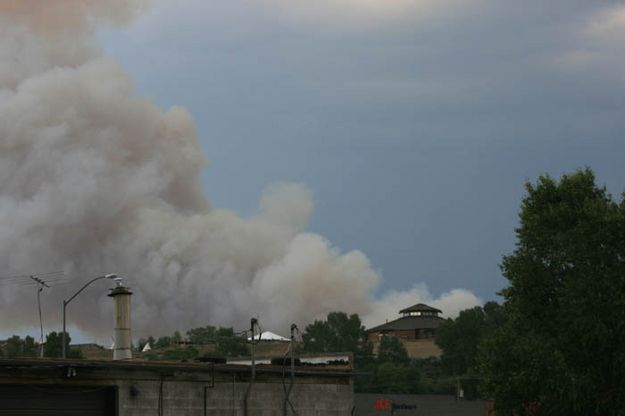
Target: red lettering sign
382,404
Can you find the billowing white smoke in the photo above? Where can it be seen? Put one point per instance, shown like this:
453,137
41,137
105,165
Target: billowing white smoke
96,180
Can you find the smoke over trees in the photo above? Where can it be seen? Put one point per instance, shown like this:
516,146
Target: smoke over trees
94,179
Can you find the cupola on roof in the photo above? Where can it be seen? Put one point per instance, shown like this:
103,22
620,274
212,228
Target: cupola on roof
420,307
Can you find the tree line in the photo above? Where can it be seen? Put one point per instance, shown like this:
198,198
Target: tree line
27,347
555,345
226,343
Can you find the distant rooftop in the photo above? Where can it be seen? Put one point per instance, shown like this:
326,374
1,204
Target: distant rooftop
406,323
420,307
419,316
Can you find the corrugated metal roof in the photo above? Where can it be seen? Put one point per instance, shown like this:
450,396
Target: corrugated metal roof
408,323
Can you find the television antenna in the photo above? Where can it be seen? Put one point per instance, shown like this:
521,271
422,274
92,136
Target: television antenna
41,281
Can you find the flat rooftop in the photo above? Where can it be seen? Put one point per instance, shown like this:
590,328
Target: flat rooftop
176,366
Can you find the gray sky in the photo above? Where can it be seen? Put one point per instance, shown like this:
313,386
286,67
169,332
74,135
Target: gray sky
413,122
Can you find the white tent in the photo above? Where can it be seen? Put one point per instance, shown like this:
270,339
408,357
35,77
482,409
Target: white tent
269,336
146,348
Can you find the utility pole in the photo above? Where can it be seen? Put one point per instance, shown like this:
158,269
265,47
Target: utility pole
287,393
41,281
253,326
254,323
40,285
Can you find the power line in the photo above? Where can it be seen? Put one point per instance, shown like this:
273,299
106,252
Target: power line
50,278
39,281
26,276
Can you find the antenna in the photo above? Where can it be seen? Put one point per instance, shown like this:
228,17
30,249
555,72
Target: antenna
56,277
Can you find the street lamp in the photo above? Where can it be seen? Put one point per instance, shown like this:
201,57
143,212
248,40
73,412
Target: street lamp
66,302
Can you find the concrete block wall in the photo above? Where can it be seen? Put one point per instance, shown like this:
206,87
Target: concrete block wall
186,398
322,399
188,389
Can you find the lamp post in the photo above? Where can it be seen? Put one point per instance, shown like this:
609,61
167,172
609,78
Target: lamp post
66,302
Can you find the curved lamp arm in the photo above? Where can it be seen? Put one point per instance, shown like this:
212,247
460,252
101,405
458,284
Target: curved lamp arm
66,302
106,276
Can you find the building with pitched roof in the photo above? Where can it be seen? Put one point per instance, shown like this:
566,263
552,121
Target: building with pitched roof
416,328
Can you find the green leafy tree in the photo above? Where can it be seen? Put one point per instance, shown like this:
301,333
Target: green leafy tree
18,347
202,335
398,378
14,347
53,346
163,342
435,379
31,349
177,338
393,372
561,349
343,333
229,344
391,350
339,333
54,342
460,338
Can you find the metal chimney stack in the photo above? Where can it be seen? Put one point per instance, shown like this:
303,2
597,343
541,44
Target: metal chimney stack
123,341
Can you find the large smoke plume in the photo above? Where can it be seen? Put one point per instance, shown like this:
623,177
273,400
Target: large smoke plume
94,179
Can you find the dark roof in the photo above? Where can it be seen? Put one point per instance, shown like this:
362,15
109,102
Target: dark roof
160,366
408,323
420,307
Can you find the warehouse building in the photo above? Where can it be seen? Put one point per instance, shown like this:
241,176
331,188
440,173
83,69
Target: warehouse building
130,387
39,387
